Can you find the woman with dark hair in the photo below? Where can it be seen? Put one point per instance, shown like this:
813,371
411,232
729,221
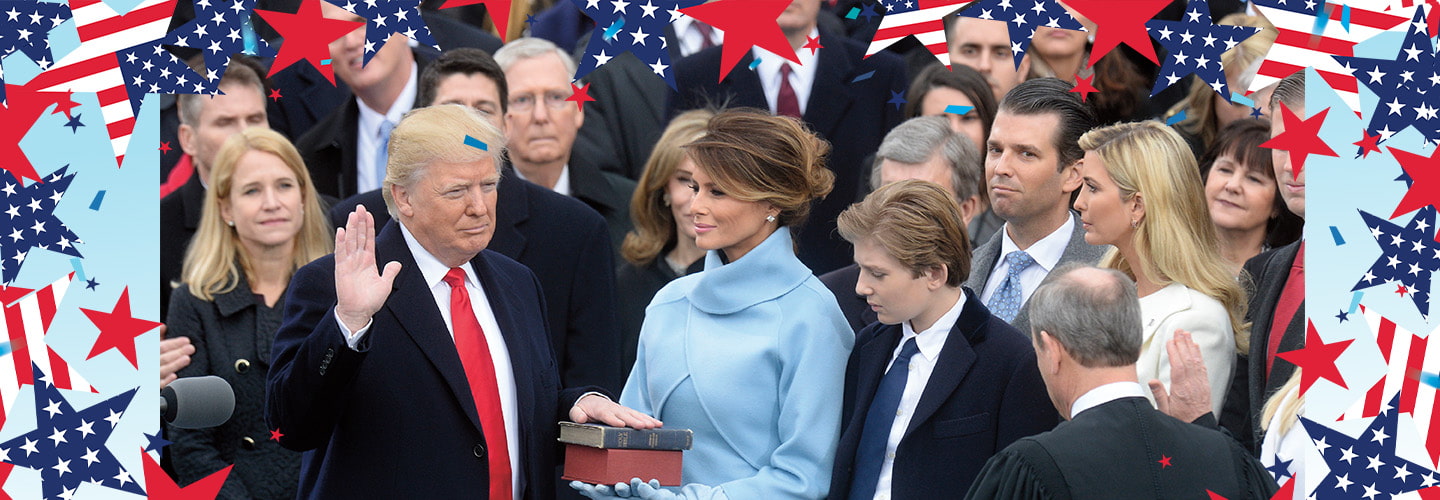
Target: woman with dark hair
750,353
1245,204
936,89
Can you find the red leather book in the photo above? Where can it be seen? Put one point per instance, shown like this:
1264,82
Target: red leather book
610,466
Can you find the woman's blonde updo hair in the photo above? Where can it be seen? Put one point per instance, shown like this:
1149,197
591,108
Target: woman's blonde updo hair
755,156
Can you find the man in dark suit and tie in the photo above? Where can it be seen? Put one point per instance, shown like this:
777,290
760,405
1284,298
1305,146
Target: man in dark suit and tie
1032,163
1277,308
565,243
823,91
1085,325
426,379
960,385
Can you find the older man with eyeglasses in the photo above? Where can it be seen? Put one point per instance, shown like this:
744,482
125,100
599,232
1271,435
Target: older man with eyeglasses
542,123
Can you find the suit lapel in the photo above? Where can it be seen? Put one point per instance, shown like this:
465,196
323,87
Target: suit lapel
411,306
873,357
830,98
984,262
743,86
956,358
512,209
519,337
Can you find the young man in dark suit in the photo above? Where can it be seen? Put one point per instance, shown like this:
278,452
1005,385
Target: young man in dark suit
960,384
1277,307
1032,163
823,92
406,366
1085,325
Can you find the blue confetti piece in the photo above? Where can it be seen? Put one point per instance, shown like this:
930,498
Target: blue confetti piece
1175,119
4,348
1430,379
247,35
1355,301
755,64
1236,98
863,76
1345,17
325,62
95,203
1321,19
957,109
476,143
1335,233
614,29
78,267
854,13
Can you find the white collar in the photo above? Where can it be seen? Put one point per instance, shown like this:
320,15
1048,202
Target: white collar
932,339
1105,394
370,119
430,267
1046,252
562,183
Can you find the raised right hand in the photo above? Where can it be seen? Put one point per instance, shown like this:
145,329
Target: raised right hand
359,290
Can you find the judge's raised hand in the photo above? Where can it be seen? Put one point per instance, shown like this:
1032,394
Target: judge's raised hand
359,290
599,409
1189,395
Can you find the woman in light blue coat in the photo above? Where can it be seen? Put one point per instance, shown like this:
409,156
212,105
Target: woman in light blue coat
749,354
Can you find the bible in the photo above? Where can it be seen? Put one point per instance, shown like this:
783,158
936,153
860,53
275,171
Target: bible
600,454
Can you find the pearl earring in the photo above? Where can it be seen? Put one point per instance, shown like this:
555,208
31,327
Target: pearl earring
230,222
769,218
1134,223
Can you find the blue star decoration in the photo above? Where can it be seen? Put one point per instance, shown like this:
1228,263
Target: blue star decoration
91,283
28,221
1195,45
1367,463
74,123
1256,113
868,12
25,26
1404,87
1343,316
156,442
68,446
530,20
150,69
633,27
897,98
1409,254
1022,21
219,30
387,17
1280,469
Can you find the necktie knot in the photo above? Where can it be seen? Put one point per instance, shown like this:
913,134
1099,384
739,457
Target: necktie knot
909,350
785,71
386,127
1018,261
455,278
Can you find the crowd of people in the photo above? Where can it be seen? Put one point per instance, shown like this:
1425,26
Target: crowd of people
996,289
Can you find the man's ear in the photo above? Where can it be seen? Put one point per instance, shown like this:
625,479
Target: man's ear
401,195
1070,178
936,276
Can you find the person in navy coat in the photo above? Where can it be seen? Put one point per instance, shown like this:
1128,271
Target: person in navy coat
395,383
961,384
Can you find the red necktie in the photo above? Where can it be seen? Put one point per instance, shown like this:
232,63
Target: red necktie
1291,298
480,372
706,34
786,104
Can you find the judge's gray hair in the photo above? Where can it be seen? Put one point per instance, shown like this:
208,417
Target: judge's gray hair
1093,312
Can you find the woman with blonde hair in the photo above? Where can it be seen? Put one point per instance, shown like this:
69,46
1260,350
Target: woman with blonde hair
661,247
262,220
1142,194
1205,112
750,353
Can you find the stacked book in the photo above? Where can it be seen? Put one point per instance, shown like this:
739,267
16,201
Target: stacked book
600,454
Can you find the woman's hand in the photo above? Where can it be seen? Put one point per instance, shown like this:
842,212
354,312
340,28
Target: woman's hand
359,290
174,354
600,491
596,408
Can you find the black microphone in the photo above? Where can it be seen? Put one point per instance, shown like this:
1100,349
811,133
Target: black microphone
197,402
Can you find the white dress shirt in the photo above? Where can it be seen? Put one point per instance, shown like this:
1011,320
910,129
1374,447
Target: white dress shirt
434,273
802,76
922,365
562,184
1105,394
368,132
1046,252
690,38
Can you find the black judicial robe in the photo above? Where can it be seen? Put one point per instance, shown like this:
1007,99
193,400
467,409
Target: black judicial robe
1123,449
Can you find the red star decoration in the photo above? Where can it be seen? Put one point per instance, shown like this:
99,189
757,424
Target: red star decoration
307,36
498,10
118,329
1301,137
1164,461
738,20
160,486
813,44
1317,359
1424,173
275,435
1400,289
1115,26
23,109
580,96
1368,144
1287,491
1216,496
1083,86
65,105
275,94
164,147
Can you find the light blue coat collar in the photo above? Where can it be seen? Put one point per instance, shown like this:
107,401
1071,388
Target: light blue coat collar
767,272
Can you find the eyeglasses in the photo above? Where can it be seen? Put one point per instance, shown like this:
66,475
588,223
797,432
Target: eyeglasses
526,102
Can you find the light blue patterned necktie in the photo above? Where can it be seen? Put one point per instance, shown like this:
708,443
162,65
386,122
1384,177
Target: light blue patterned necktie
1006,302
382,151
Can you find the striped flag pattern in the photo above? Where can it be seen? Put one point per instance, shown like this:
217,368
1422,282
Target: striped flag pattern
1311,32
922,18
1407,355
94,66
